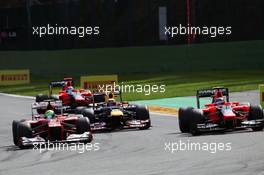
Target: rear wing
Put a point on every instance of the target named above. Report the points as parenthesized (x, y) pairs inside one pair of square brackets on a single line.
[(46, 104), (53, 84), (57, 84), (211, 93), (99, 97), (66, 82)]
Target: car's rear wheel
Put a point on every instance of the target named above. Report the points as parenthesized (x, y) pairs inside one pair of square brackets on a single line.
[(89, 113), (41, 97), (41, 111), (255, 113), (55, 97), (80, 109), (142, 113)]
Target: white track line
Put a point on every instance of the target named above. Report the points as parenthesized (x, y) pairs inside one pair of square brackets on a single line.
[(169, 115), (17, 96)]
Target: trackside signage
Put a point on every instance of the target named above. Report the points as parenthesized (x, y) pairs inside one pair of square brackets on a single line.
[(94, 82), (14, 77), (261, 94)]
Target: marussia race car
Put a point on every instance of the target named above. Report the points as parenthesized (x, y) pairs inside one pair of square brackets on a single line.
[(107, 114), (54, 127), (70, 97), (220, 115)]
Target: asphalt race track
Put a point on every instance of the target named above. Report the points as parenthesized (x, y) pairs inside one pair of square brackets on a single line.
[(134, 152)]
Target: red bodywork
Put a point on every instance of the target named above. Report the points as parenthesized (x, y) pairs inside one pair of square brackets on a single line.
[(78, 97), (226, 111), (58, 127), (220, 114), (212, 111), (54, 129)]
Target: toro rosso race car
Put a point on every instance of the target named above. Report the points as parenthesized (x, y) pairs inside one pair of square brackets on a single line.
[(52, 126), (107, 114), (69, 96), (220, 115)]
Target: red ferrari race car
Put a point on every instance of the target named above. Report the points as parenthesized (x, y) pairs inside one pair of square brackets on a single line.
[(106, 113), (69, 96), (220, 115), (52, 127)]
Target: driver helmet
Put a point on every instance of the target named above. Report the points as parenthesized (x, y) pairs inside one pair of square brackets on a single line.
[(111, 100), (49, 114), (219, 101), (69, 90)]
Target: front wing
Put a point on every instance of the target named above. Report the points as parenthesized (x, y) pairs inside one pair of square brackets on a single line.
[(73, 138), (127, 125), (215, 127)]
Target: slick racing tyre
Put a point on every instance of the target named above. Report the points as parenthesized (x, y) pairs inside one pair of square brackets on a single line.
[(89, 113), (24, 130), (80, 109), (197, 118), (15, 124), (83, 125), (142, 113), (41, 97), (185, 119), (55, 97), (255, 113)]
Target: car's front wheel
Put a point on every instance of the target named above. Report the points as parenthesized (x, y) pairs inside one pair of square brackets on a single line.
[(184, 115), (83, 125), (142, 113), (197, 118), (255, 113), (24, 130), (15, 124)]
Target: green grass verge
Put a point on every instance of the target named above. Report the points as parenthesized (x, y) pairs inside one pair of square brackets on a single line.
[(177, 84)]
